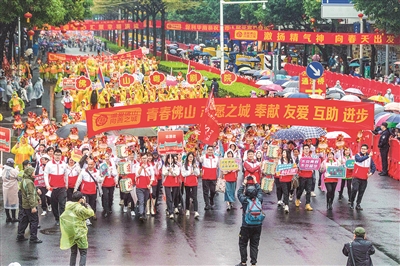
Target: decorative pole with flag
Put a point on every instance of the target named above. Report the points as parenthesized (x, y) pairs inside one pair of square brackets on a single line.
[(209, 129), (100, 78)]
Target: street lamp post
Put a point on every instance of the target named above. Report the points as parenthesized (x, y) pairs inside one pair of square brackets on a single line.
[(221, 26)]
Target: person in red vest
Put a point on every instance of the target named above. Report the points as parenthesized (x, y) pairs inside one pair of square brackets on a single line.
[(72, 173), (252, 167), (190, 172), (144, 179), (364, 167), (110, 180), (56, 182), (40, 184), (305, 181), (330, 183), (171, 184), (209, 182)]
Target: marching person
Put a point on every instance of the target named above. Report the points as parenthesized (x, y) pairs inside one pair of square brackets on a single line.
[(190, 172), (110, 180), (158, 163), (73, 227), (67, 101), (230, 185), (349, 172), (10, 190), (144, 179), (90, 178), (171, 185), (157, 168), (55, 180), (330, 183), (71, 174), (130, 198), (40, 183), (252, 167), (284, 184), (305, 181), (364, 167), (209, 180), (383, 146), (29, 212), (359, 250)]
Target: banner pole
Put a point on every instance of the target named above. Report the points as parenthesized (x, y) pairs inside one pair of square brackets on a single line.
[(313, 86)]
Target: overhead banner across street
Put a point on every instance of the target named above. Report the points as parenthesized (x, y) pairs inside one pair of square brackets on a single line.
[(307, 112), (53, 57)]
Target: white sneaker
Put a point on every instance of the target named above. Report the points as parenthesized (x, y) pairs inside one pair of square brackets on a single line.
[(171, 216), (88, 222), (313, 194), (44, 213), (133, 213), (286, 208), (290, 197), (125, 209), (196, 215), (187, 213), (176, 211), (49, 208), (280, 203)]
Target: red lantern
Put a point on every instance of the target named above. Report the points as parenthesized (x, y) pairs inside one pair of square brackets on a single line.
[(361, 15), (312, 20), (27, 15), (30, 34), (63, 31), (76, 24)]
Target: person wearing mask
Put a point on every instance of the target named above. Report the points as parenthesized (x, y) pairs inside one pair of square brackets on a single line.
[(330, 183), (110, 180), (29, 212), (73, 227), (171, 185), (190, 173), (55, 180), (284, 183), (252, 167), (383, 146), (364, 167), (41, 185), (144, 178), (10, 190), (230, 185), (305, 181), (359, 250), (209, 167), (88, 180)]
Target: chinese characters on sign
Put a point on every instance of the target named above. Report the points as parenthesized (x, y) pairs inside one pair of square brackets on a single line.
[(228, 164), (305, 84), (170, 142), (83, 83), (5, 139), (193, 77), (308, 164), (156, 78), (126, 80), (228, 78)]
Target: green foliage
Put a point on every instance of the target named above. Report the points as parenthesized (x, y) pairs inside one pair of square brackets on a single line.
[(386, 14), (114, 48)]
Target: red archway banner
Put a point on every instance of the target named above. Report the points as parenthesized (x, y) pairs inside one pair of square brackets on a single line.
[(307, 112), (53, 57)]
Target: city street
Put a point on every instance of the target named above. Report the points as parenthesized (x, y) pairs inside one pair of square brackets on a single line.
[(297, 238)]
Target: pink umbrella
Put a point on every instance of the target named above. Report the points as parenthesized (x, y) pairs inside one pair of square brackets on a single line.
[(382, 119), (271, 87), (350, 98), (171, 82)]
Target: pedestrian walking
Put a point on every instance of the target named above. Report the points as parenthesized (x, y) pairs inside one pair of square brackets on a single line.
[(40, 183), (30, 201), (209, 181), (305, 181), (364, 167), (110, 180), (190, 173), (283, 182), (171, 184), (215, 87), (383, 146), (329, 184), (359, 250), (67, 101), (144, 178), (73, 228), (250, 230), (349, 173), (230, 185), (10, 190)]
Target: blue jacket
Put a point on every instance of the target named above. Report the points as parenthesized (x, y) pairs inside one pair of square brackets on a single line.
[(360, 158), (243, 200)]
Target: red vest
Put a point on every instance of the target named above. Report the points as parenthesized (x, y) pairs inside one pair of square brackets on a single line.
[(191, 181), (56, 181), (88, 187), (109, 181)]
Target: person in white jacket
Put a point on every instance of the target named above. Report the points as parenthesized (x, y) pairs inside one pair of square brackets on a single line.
[(109, 174), (171, 171)]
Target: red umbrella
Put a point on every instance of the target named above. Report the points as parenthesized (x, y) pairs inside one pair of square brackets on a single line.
[(271, 87)]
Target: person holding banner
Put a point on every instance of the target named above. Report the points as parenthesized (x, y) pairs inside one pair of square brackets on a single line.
[(329, 183), (171, 184), (364, 167), (349, 172), (284, 181), (190, 173), (305, 181), (143, 181), (230, 185)]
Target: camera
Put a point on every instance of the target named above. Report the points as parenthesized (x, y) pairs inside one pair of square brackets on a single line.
[(249, 178)]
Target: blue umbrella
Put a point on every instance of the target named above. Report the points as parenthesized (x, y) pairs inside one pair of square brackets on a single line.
[(394, 118), (298, 95), (354, 64), (310, 132), (296, 78), (380, 114), (280, 81), (264, 77), (289, 134)]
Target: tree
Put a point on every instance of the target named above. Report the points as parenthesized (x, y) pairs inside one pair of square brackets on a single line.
[(385, 14)]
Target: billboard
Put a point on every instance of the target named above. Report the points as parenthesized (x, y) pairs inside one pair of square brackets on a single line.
[(338, 9)]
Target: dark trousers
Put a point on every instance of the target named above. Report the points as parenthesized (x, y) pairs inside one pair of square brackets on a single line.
[(305, 184), (358, 185), (58, 200), (209, 191), (70, 191), (253, 234), (107, 198), (91, 200), (27, 217), (330, 190), (285, 188), (74, 254), (39, 101), (143, 195), (384, 158), (158, 190), (344, 182), (45, 200), (67, 110), (191, 192), (127, 197), (278, 188), (172, 198)]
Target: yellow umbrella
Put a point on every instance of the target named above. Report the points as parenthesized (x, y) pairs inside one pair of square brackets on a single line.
[(379, 98)]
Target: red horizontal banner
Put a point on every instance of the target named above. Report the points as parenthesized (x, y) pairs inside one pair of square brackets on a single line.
[(313, 37), (52, 57), (307, 112)]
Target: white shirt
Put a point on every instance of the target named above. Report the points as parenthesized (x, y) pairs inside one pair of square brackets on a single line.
[(54, 168)]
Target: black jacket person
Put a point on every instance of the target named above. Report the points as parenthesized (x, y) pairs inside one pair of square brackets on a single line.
[(360, 251)]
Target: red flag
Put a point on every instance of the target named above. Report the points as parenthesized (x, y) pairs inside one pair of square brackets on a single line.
[(209, 126)]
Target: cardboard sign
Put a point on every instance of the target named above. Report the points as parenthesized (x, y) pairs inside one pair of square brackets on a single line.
[(309, 164), (286, 169), (269, 168), (170, 142), (336, 172), (272, 151), (228, 164), (5, 139), (68, 84), (350, 164)]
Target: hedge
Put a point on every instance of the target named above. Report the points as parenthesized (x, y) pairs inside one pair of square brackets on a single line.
[(112, 47)]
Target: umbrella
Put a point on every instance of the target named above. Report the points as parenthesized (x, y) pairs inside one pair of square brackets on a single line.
[(354, 91), (398, 125), (336, 96), (289, 134), (381, 119), (244, 69), (394, 118), (295, 78), (392, 107), (1, 89), (335, 134), (265, 72), (264, 77), (172, 51), (355, 64), (215, 58), (202, 45), (291, 89), (243, 59), (280, 81), (63, 132), (298, 95), (378, 109), (376, 116), (264, 82), (250, 72), (310, 132), (379, 98), (397, 63), (317, 96), (139, 132), (350, 98), (204, 54), (254, 59), (335, 90), (271, 87), (282, 72), (291, 83)]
